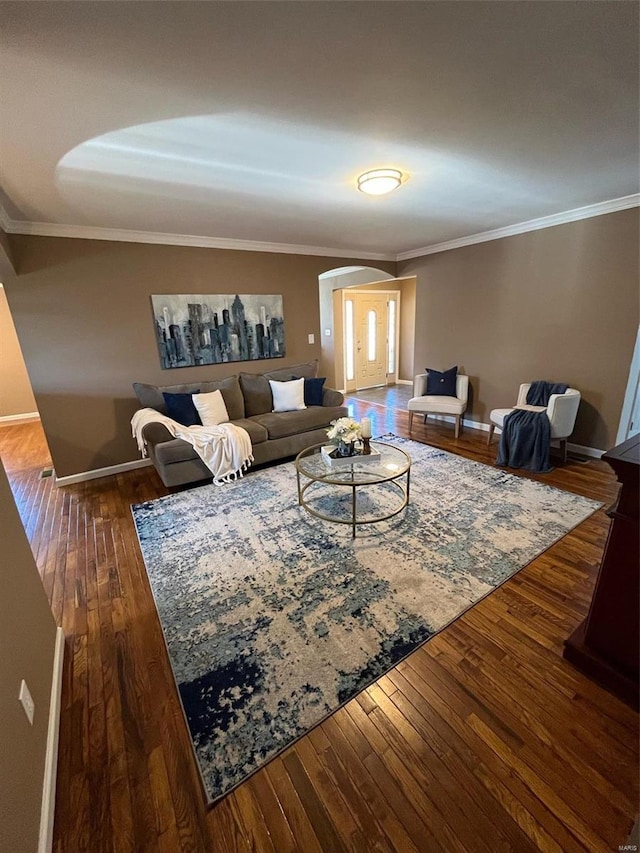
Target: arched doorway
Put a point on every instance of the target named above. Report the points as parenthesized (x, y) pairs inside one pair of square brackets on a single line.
[(367, 327)]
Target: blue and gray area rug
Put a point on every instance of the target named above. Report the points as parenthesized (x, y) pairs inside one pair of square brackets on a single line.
[(274, 618)]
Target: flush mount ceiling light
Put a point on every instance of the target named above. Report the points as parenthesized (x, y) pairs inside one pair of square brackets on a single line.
[(379, 181)]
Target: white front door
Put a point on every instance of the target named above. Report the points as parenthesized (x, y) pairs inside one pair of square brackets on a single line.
[(371, 322)]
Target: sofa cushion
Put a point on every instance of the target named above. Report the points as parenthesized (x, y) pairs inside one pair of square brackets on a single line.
[(307, 371), (283, 424), (150, 396), (314, 391), (257, 433), (176, 450), (181, 408), (287, 396), (256, 393), (211, 408)]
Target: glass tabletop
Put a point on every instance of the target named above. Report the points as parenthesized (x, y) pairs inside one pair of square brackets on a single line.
[(392, 462)]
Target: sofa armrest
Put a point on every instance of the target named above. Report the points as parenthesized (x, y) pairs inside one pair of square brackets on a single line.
[(155, 433), (331, 397)]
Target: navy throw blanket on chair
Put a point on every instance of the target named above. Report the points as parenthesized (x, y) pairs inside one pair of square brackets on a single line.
[(540, 392), (526, 436), (525, 441)]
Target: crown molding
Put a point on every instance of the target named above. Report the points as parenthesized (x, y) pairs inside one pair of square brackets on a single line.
[(611, 206), (122, 235), (5, 221)]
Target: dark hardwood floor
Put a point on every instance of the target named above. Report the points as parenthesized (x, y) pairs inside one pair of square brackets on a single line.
[(484, 739)]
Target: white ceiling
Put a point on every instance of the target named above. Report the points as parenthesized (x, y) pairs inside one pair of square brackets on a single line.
[(251, 121)]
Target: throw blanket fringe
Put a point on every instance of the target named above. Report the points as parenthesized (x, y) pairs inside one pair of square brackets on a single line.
[(225, 449)]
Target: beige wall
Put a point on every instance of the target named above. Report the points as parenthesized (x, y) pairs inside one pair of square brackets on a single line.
[(83, 314), (560, 304), (27, 640), (16, 396)]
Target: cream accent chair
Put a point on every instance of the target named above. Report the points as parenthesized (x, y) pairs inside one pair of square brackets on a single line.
[(561, 411), (434, 404)]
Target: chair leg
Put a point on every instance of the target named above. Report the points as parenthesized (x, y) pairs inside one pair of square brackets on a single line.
[(563, 450), (491, 429), (457, 430), (410, 421)]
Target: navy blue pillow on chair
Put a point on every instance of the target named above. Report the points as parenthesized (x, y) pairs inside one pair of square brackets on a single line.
[(181, 408), (313, 390), (442, 384)]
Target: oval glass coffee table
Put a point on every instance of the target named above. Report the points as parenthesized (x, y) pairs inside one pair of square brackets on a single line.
[(392, 466)]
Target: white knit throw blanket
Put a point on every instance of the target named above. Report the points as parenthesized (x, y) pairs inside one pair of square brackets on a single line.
[(225, 449)]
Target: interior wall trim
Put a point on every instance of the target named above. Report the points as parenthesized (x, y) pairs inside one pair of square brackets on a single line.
[(122, 235), (5, 220), (83, 476), (603, 207), (47, 811), (25, 416)]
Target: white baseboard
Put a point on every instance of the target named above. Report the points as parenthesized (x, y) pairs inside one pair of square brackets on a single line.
[(47, 811), (592, 452), (25, 416), (404, 381), (109, 471)]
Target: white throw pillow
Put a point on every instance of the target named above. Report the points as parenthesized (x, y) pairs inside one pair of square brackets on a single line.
[(288, 396), (211, 408)]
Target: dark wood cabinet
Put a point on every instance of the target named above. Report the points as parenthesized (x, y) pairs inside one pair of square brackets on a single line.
[(606, 645)]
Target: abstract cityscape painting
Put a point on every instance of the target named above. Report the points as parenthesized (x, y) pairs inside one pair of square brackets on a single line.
[(216, 328)]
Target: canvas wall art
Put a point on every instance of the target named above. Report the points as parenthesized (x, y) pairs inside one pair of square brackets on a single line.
[(216, 328)]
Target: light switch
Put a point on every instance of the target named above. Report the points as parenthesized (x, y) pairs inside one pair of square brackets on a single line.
[(312, 339), (327, 333)]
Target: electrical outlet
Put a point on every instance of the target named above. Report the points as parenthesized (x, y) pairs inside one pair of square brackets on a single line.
[(312, 339), (27, 701), (327, 333)]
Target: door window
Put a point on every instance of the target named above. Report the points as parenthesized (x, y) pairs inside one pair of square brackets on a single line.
[(348, 321), (371, 335)]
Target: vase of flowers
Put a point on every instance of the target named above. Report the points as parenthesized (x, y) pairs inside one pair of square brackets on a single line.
[(344, 432)]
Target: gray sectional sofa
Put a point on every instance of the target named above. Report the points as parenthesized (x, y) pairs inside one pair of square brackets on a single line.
[(247, 396)]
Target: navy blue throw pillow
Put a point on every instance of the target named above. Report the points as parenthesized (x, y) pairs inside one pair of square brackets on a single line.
[(180, 408), (442, 384), (313, 390)]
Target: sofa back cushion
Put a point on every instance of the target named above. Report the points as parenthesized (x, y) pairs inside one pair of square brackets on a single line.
[(150, 396), (308, 370), (211, 408), (257, 394), (257, 391), (181, 408)]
